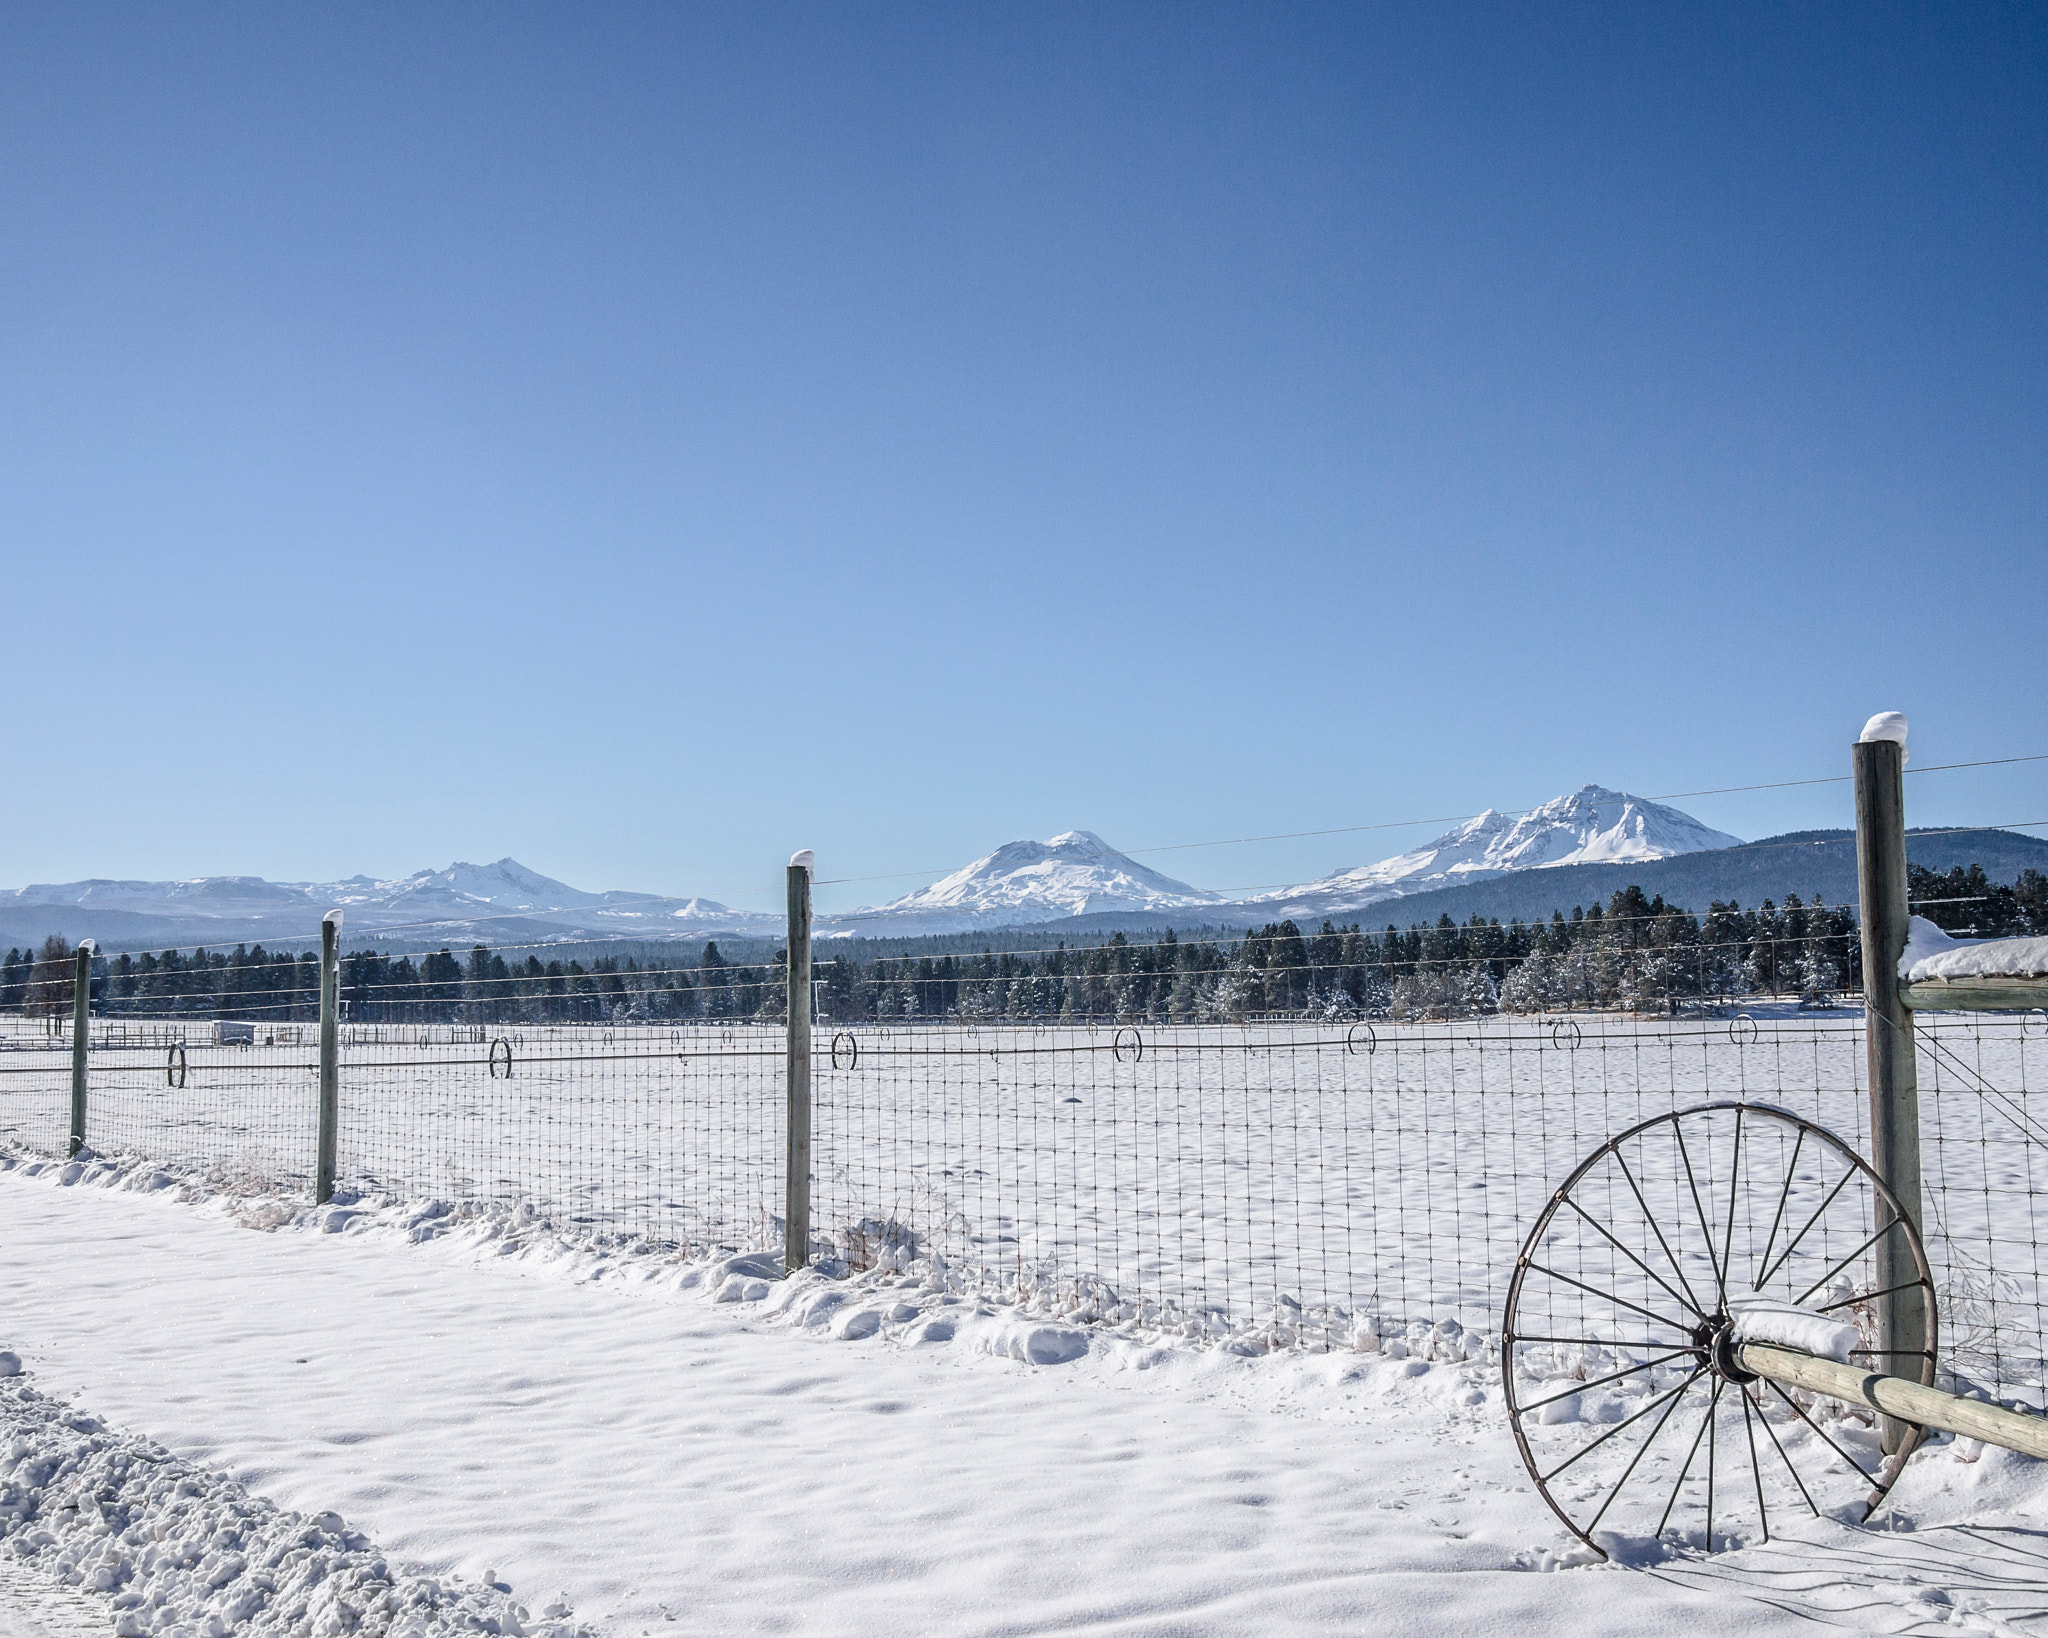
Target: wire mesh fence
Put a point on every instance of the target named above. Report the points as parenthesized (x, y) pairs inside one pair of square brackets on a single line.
[(1984, 1148), (1290, 1181), (1293, 1182), (671, 1134), (35, 1082)]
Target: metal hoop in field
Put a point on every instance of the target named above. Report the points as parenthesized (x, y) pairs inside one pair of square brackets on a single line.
[(174, 1066), (1127, 1045), (2034, 1022), (1742, 1030), (1565, 1033), (845, 1050), (1354, 1043), (1624, 1323), (491, 1065)]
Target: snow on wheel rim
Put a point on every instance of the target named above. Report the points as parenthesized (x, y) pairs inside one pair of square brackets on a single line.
[(1629, 1411), (1367, 1043), (1742, 1030)]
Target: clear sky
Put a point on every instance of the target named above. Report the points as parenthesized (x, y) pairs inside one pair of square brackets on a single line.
[(644, 440)]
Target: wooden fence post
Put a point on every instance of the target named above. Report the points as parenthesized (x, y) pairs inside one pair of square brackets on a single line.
[(330, 1056), (796, 1244), (1888, 1040), (81, 1028)]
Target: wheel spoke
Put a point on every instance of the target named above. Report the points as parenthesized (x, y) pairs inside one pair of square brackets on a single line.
[(1587, 1450), (1692, 1183), (1609, 1296), (1784, 1197), (1650, 1217), (1846, 1261), (1792, 1244), (1872, 1296), (1632, 1257), (1728, 1234), (1595, 1342), (1685, 1471), (1787, 1460), (1755, 1472), (1713, 1440), (1602, 1381), (1862, 1472)]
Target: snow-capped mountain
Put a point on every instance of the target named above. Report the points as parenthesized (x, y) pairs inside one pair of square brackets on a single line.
[(494, 902), (1077, 873), (1593, 825)]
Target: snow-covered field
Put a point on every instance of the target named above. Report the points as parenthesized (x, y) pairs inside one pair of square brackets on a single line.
[(459, 1418), (1297, 1182)]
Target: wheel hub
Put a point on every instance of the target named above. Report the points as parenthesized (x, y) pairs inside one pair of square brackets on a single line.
[(1714, 1342)]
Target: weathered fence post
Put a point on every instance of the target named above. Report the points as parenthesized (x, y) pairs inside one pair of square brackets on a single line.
[(81, 1027), (330, 1056), (796, 1247), (1880, 762)]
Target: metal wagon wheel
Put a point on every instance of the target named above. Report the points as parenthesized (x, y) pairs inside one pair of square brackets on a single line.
[(1624, 1380)]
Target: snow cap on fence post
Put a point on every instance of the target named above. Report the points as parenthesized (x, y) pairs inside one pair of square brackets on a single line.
[(1889, 725), (804, 859)]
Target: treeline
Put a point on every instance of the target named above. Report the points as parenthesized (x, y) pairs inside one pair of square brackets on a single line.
[(1635, 953), (253, 984)]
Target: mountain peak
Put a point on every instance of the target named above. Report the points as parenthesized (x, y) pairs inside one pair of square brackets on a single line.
[(1075, 873), (1592, 825)]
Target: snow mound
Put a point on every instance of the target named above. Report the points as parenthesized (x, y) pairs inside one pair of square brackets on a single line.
[(1889, 725), (1931, 953), (1765, 1319), (175, 1548)]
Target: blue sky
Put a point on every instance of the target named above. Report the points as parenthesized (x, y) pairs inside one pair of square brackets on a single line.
[(644, 440)]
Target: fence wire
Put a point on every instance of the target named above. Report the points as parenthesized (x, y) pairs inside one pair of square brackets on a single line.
[(1984, 1156), (669, 1134), (1292, 1181), (1297, 1183)]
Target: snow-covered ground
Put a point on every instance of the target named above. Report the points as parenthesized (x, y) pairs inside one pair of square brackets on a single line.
[(683, 1447), (615, 1438)]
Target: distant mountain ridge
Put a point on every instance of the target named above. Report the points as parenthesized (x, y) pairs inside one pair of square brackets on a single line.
[(1580, 849), (501, 903), (1075, 873)]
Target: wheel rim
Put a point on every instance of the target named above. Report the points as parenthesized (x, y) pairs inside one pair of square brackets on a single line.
[(1630, 1410)]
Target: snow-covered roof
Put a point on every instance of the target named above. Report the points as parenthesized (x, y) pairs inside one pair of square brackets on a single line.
[(1931, 953)]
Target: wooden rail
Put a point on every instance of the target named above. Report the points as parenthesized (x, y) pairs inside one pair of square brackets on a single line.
[(1975, 994), (1897, 1398)]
